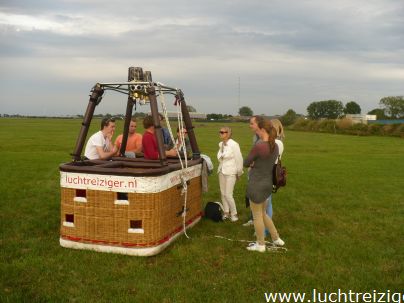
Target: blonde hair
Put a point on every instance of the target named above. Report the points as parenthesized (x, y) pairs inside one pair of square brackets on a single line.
[(279, 129)]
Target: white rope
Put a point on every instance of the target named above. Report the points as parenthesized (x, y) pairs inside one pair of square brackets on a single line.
[(184, 190), (183, 177), (271, 247), (164, 108)]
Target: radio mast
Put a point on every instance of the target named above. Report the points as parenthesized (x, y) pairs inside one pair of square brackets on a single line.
[(238, 108)]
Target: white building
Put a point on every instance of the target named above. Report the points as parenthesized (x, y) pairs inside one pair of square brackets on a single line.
[(358, 118), (193, 115)]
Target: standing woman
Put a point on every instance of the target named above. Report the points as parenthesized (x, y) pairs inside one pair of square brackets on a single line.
[(230, 169), (261, 159)]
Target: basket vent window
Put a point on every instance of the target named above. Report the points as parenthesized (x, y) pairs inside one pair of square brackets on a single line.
[(81, 193), (135, 224), (122, 196), (69, 218)]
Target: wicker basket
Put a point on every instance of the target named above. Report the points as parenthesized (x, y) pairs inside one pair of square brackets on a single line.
[(134, 223)]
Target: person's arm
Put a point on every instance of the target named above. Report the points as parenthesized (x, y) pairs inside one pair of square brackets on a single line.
[(138, 141), (239, 159), (252, 156), (118, 143), (105, 155), (220, 152), (280, 148), (171, 153)]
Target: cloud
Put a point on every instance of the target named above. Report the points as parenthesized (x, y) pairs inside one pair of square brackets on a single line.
[(285, 53)]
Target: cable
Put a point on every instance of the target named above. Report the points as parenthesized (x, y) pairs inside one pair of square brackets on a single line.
[(271, 247)]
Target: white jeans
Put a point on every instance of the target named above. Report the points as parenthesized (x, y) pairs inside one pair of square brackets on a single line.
[(226, 183)]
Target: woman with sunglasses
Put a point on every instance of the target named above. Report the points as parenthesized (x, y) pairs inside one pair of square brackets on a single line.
[(230, 169)]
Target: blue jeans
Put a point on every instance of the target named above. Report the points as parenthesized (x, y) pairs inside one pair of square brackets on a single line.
[(269, 206), (268, 211)]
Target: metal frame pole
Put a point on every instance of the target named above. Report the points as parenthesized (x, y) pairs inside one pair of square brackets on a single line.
[(95, 99), (188, 125), (157, 127)]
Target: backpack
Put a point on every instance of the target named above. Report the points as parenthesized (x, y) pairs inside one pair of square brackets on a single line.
[(279, 174), (213, 211)]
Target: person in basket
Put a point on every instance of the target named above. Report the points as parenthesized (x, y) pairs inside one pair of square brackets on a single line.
[(133, 143), (230, 169), (149, 141), (100, 145), (261, 160)]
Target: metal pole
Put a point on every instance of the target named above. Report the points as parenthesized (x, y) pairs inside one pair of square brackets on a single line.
[(128, 116), (188, 125), (95, 99), (157, 127)]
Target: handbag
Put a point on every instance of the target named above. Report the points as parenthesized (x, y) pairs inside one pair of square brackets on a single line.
[(279, 175)]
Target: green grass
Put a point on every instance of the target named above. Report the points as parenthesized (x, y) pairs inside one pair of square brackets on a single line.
[(341, 215)]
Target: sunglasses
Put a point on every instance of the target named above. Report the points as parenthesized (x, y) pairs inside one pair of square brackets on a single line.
[(222, 132)]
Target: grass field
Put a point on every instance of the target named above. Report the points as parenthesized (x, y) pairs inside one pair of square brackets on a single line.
[(341, 216)]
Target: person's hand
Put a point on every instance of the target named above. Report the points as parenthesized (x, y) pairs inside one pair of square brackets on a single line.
[(171, 152)]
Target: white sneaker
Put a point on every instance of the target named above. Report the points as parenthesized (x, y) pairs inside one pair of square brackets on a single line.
[(279, 242), (249, 223), (256, 247), (233, 218), (225, 217)]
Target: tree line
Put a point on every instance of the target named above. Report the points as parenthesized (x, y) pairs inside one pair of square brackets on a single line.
[(390, 108)]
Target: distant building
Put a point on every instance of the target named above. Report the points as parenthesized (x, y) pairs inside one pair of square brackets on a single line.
[(358, 118)]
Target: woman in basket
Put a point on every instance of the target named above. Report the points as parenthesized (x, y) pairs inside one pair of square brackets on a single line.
[(261, 160), (230, 169)]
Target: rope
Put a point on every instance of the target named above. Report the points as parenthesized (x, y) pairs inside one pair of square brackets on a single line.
[(164, 108), (271, 247), (184, 190)]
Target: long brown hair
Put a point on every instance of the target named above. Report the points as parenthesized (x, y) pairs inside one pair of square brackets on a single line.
[(271, 131)]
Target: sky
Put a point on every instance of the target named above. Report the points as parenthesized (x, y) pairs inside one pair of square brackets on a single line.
[(269, 55)]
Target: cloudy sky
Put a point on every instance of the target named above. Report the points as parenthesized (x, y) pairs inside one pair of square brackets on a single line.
[(270, 55)]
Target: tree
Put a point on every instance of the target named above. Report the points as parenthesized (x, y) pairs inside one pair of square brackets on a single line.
[(379, 112), (289, 118), (330, 109), (245, 111), (139, 115), (393, 106), (214, 116), (352, 108), (191, 108)]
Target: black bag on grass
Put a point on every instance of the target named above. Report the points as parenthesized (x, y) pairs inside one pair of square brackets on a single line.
[(214, 211)]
